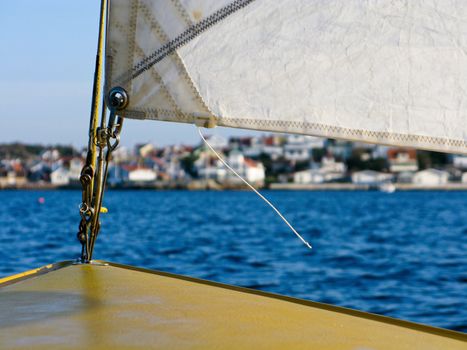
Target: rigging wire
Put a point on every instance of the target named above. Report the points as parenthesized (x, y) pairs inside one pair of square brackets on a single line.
[(254, 190)]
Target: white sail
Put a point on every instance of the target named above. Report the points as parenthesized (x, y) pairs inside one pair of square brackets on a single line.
[(382, 71)]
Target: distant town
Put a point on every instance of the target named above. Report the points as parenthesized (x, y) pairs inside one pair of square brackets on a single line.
[(274, 161)]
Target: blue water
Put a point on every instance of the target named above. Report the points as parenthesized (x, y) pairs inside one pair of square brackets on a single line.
[(402, 254)]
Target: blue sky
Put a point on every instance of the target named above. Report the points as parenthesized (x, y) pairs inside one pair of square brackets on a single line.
[(46, 70)]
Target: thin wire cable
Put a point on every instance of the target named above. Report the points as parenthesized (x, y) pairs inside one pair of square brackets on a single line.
[(254, 190)]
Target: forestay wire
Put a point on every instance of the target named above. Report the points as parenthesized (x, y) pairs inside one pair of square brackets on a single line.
[(254, 190)]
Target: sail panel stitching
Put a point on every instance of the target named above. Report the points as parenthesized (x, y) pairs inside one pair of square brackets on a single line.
[(309, 128), (157, 28), (189, 34), (158, 79), (328, 130), (154, 74), (182, 12), (132, 33)]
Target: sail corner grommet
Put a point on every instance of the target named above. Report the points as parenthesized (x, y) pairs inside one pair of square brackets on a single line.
[(205, 121), (117, 98)]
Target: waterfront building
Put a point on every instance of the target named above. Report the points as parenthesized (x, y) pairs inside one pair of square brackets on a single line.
[(402, 160), (141, 175), (298, 148), (339, 148), (210, 168), (121, 154), (50, 155), (117, 175), (250, 170), (370, 178), (405, 177), (431, 177), (207, 165), (460, 162), (175, 171), (329, 171), (60, 176), (146, 150), (39, 171), (12, 174), (76, 164), (243, 142), (309, 176), (270, 146), (212, 173)]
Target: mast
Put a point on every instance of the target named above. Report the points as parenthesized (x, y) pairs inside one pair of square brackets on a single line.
[(96, 90), (88, 172)]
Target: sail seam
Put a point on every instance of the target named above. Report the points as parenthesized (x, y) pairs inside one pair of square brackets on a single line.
[(280, 125), (316, 129), (158, 79), (191, 85), (154, 74), (176, 58), (327, 130), (181, 10), (155, 26), (132, 33), (189, 34)]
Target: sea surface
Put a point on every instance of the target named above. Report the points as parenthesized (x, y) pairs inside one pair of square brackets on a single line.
[(402, 254)]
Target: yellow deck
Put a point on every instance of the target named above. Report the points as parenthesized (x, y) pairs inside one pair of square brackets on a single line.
[(112, 307)]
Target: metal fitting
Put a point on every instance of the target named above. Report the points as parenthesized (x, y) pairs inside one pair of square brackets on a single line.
[(117, 98)]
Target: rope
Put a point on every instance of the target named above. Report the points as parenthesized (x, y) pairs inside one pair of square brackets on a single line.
[(254, 190)]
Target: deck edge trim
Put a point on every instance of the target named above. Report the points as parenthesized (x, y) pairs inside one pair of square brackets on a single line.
[(8, 280)]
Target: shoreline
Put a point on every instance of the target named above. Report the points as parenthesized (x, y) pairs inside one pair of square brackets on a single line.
[(354, 187), (219, 187)]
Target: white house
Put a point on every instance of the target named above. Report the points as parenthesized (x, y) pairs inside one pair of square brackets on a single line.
[(213, 173), (209, 167), (431, 177), (272, 145), (76, 164), (275, 152), (460, 162), (330, 170), (309, 176), (60, 176), (250, 170), (370, 177), (329, 165), (142, 175), (299, 147)]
